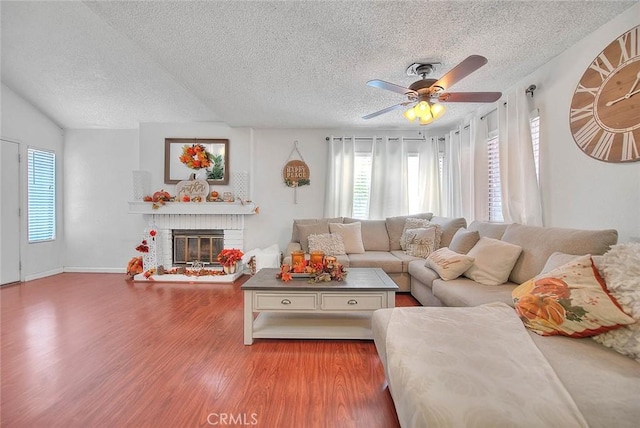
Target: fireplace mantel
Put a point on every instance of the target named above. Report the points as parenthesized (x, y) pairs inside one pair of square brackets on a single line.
[(216, 208)]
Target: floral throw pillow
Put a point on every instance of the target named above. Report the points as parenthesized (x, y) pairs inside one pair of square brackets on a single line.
[(571, 300)]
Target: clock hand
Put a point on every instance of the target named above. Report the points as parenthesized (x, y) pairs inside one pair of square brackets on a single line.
[(629, 95), (634, 84)]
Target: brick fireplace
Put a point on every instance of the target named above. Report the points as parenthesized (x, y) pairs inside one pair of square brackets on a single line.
[(226, 217)]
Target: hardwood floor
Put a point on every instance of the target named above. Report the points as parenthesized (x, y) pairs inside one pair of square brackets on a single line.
[(97, 350)]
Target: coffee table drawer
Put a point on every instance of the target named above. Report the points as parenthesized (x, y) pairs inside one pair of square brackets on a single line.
[(353, 302), (285, 301)]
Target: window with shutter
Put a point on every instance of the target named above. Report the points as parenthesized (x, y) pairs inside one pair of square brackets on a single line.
[(41, 195), (361, 185)]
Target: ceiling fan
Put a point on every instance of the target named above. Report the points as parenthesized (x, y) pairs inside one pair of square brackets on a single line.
[(424, 94)]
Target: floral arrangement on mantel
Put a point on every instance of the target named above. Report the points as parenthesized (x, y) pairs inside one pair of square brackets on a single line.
[(317, 272), (229, 257), (195, 156)]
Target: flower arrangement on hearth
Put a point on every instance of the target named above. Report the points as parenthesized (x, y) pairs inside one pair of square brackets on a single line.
[(230, 256), (316, 272), (195, 156)]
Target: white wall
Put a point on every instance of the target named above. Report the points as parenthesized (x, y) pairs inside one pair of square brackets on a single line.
[(23, 123), (100, 235), (578, 191)]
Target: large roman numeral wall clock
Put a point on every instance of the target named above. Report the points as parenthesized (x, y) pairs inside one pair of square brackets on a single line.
[(605, 109)]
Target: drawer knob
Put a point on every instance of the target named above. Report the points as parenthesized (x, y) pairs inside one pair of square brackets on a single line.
[(352, 302), (285, 301)]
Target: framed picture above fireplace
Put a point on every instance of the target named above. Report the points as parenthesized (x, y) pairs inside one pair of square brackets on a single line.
[(208, 158)]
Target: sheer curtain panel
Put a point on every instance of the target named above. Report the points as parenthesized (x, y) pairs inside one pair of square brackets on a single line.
[(339, 188), (520, 191)]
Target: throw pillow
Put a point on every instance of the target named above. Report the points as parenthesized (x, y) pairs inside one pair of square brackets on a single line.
[(493, 262), (571, 300), (448, 264), (304, 230), (421, 242), (464, 240), (331, 244), (621, 266), (411, 223), (351, 235)]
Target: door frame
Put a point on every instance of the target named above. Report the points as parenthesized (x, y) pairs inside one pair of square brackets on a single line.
[(21, 219)]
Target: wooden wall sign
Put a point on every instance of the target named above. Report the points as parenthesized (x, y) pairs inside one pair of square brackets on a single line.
[(296, 173)]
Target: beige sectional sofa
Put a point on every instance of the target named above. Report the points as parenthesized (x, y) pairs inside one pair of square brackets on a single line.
[(380, 239), (445, 363)]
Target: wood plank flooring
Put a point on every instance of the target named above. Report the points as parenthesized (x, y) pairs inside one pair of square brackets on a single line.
[(97, 350)]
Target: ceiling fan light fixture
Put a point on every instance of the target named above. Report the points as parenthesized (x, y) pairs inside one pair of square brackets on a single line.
[(425, 120), (437, 110), (410, 114)]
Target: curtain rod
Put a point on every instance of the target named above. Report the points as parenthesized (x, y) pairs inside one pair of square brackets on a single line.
[(380, 138)]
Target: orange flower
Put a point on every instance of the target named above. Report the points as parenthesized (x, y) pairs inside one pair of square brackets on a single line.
[(286, 276), (552, 287), (541, 307)]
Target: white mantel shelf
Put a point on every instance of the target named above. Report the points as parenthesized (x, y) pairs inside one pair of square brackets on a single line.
[(217, 208)]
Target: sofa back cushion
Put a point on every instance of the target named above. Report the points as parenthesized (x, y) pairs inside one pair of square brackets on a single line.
[(538, 243), (449, 228), (489, 230), (395, 227), (374, 234), (295, 233)]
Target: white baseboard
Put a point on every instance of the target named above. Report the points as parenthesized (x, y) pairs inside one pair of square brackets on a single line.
[(72, 269), (42, 274)]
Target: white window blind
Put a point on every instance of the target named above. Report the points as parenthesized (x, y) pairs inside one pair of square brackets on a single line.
[(495, 191), (535, 140), (361, 185), (41, 195)]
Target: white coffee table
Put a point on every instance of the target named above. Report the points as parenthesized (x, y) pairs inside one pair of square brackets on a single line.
[(325, 310)]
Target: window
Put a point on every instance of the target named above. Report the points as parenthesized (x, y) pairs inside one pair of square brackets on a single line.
[(41, 195), (495, 191), (361, 185)]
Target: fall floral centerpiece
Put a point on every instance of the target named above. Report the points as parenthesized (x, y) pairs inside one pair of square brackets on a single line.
[(316, 272), (228, 259), (195, 156)]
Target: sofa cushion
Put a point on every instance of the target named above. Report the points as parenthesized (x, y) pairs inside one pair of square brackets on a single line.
[(464, 240), (304, 230), (493, 262), (395, 227), (490, 230), (449, 228), (422, 273), (571, 300), (351, 234), (374, 234), (538, 243), (405, 258), (448, 264), (380, 259), (465, 292), (331, 244), (295, 236)]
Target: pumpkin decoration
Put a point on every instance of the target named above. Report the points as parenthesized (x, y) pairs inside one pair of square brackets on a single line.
[(538, 307), (134, 267), (160, 196)]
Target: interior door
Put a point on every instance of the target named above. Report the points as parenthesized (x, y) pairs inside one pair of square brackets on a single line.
[(10, 213)]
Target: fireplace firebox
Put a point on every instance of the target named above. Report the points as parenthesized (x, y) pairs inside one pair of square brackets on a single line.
[(197, 245)]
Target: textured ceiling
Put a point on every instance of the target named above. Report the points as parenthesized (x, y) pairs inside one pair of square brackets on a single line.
[(270, 64)]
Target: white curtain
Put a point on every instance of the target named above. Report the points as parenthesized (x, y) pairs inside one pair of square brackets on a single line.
[(429, 185), (452, 176), (389, 193), (520, 192), (478, 176), (339, 188)]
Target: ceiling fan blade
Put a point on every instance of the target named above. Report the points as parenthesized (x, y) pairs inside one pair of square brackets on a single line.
[(386, 110), (460, 71), (469, 97), (390, 87)]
